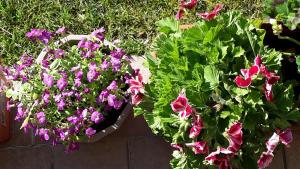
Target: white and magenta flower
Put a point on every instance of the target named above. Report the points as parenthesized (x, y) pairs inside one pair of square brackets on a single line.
[(199, 147), (220, 158), (136, 89), (181, 106), (196, 127), (183, 5), (285, 137), (246, 80), (235, 134), (211, 15), (265, 160)]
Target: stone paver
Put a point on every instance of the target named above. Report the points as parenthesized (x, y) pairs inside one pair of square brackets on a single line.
[(109, 153), (149, 153), (26, 158)]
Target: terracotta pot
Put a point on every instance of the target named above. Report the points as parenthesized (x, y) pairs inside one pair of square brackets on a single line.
[(4, 115)]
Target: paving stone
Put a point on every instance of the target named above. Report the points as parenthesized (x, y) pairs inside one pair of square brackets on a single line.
[(26, 158), (108, 153), (293, 153), (149, 153)]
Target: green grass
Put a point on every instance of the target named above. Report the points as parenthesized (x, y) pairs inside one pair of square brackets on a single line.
[(131, 21)]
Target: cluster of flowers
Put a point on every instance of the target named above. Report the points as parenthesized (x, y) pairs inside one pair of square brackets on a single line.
[(183, 6), (285, 137), (249, 74), (68, 101), (221, 156)]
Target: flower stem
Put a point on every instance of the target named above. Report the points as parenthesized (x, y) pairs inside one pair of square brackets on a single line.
[(290, 39)]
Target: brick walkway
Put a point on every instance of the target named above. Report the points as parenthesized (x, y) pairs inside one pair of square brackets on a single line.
[(133, 146)]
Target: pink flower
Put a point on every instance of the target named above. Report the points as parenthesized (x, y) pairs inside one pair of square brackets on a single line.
[(185, 5), (286, 137), (257, 61), (199, 147), (211, 15), (235, 134), (220, 158), (246, 80), (196, 127), (136, 89), (272, 78), (177, 146), (265, 160), (179, 13), (272, 143), (181, 106), (188, 5)]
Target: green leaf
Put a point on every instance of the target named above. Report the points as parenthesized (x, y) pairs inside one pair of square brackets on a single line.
[(168, 25), (224, 114), (211, 75), (298, 62)]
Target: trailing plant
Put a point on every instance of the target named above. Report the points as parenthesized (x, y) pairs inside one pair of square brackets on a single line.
[(64, 96), (216, 93)]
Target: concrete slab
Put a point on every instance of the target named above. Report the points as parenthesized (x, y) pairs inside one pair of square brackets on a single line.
[(108, 153), (26, 158), (149, 153)]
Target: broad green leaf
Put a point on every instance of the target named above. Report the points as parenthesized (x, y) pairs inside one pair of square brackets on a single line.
[(211, 75)]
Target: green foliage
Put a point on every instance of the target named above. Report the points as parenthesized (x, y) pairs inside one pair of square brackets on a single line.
[(204, 60)]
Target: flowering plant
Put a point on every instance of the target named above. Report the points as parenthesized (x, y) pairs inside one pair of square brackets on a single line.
[(216, 93), (72, 91)]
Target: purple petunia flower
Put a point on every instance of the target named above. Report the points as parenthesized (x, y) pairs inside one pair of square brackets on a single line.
[(73, 119), (90, 132), (61, 105), (48, 80), (79, 74), (44, 134), (78, 96), (39, 34), (116, 64), (46, 96), (92, 75), (84, 113), (62, 83), (75, 68), (45, 63), (86, 90), (58, 53), (21, 113), (117, 53), (99, 33), (96, 117), (114, 102), (41, 117), (68, 93), (113, 85), (103, 96), (61, 30), (105, 65), (77, 82)]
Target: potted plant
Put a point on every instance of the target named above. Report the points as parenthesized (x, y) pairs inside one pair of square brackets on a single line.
[(216, 93), (75, 89)]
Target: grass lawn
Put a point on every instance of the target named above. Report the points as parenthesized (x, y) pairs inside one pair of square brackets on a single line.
[(131, 21)]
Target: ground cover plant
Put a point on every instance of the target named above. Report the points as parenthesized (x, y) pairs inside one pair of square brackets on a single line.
[(216, 92)]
